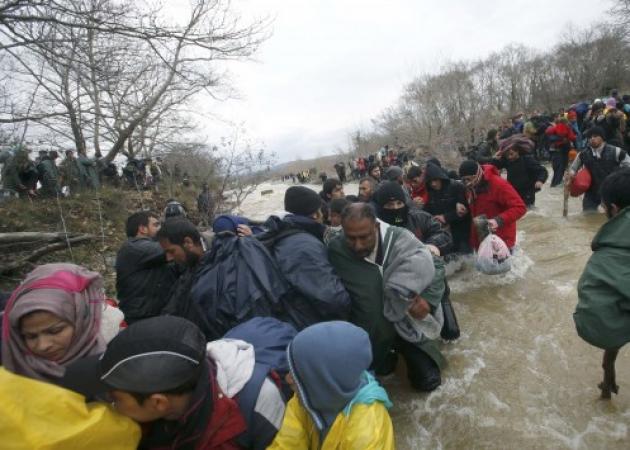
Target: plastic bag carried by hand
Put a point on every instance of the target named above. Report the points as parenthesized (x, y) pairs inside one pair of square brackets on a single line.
[(493, 256)]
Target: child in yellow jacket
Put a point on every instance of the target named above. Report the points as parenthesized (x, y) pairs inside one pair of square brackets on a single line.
[(338, 405)]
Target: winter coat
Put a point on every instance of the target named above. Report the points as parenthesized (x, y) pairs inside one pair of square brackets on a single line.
[(602, 315), (363, 279), (523, 173), (49, 177), (38, 415), (561, 134), (19, 173), (143, 278), (237, 279), (366, 427), (444, 201), (329, 365), (317, 293), (609, 160), (245, 361), (428, 230), (89, 172), (496, 199), (70, 174)]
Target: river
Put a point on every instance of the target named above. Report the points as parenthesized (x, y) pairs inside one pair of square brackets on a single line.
[(519, 377)]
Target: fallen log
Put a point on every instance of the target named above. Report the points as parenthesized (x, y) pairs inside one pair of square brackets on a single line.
[(36, 254), (33, 236)]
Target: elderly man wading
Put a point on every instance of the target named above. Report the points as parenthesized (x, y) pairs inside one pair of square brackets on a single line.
[(396, 289)]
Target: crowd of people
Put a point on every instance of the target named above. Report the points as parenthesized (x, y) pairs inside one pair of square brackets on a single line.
[(46, 176), (276, 334)]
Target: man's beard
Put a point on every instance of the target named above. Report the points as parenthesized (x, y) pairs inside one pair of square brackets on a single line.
[(192, 259)]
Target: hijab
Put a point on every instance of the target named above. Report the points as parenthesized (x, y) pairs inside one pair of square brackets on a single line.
[(68, 291)]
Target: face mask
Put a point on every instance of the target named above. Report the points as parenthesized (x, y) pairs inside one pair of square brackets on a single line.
[(396, 217)]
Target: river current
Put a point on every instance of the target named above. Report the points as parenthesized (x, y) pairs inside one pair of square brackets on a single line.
[(519, 377)]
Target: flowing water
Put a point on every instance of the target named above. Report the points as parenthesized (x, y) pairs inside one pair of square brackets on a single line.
[(519, 377)]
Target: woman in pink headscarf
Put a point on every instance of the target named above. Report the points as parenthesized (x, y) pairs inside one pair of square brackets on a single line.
[(52, 319)]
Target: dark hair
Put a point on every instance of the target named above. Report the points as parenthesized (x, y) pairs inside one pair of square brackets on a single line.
[(369, 180), (358, 211), (338, 204), (330, 184), (137, 219), (178, 228), (185, 388), (414, 172), (53, 154), (616, 189)]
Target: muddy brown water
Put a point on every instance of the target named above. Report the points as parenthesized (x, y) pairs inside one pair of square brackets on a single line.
[(519, 377)]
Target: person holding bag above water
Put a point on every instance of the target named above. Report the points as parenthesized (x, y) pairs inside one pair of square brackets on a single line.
[(490, 195)]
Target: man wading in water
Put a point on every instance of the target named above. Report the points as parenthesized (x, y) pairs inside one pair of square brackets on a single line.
[(602, 315)]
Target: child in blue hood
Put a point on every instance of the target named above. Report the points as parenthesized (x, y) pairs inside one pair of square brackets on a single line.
[(338, 405)]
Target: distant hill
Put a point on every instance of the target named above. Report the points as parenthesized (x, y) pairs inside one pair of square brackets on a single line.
[(323, 163)]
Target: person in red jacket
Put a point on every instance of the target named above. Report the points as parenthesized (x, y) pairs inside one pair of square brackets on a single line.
[(489, 194), (562, 138)]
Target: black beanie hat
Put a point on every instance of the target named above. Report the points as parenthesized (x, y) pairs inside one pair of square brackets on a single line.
[(390, 190), (595, 131), (301, 201), (468, 167)]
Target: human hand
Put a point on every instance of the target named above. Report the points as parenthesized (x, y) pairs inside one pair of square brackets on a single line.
[(418, 202), (433, 249), (493, 225), (243, 230), (419, 308), (461, 209), (440, 218), (538, 185)]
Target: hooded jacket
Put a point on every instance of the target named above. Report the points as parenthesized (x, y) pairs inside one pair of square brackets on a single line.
[(602, 315), (496, 199), (444, 201), (48, 176), (264, 394), (562, 135), (38, 415), (317, 293), (523, 173), (338, 404)]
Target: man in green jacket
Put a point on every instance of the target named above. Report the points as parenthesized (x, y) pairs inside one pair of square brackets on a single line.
[(71, 173), (602, 315), (49, 175), (363, 256)]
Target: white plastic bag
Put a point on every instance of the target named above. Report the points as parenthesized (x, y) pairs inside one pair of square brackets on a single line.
[(493, 256)]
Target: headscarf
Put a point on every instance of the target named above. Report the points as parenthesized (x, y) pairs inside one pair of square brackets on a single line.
[(72, 293), (518, 142)]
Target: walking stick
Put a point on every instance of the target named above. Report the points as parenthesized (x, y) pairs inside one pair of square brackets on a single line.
[(565, 204)]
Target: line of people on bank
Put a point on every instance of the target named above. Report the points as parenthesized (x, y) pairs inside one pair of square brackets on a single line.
[(75, 174)]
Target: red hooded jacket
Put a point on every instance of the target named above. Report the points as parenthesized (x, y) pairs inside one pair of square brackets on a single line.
[(562, 131), (496, 198)]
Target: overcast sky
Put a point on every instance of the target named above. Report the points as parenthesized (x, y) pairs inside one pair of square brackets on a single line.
[(332, 66)]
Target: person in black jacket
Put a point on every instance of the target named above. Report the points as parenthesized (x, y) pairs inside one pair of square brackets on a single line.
[(524, 172), (393, 209), (183, 244), (143, 276), (297, 244), (443, 196)]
